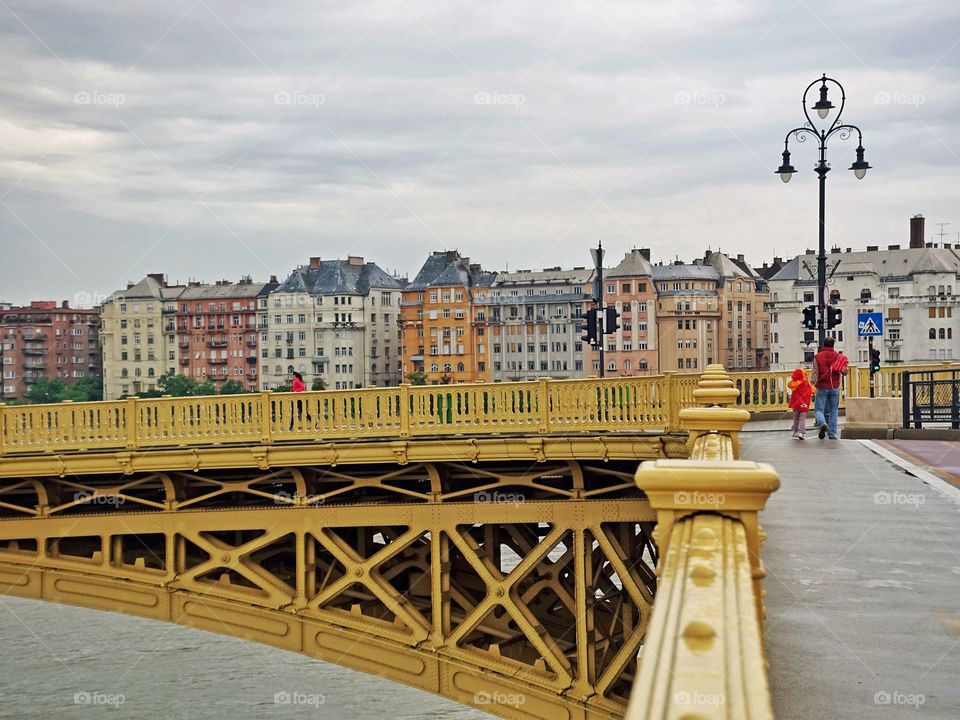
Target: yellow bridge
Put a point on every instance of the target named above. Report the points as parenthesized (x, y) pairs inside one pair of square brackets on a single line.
[(494, 544)]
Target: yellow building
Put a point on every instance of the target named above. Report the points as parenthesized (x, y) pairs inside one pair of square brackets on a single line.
[(688, 316), (745, 330)]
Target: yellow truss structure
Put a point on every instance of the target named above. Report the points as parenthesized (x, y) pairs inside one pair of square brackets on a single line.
[(515, 571)]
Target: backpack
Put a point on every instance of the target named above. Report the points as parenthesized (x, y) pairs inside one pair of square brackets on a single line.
[(840, 364)]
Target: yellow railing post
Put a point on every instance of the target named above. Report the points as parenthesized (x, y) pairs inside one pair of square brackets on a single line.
[(3, 426), (132, 422), (404, 409), (671, 397), (543, 404), (266, 417)]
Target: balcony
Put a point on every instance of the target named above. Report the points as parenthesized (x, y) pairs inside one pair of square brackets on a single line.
[(35, 366), (892, 321), (218, 361), (217, 343), (184, 343), (34, 351), (35, 337), (252, 359), (29, 379), (320, 359), (252, 376), (184, 361), (251, 343), (170, 327)]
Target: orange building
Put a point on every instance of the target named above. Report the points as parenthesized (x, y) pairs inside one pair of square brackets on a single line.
[(444, 336)]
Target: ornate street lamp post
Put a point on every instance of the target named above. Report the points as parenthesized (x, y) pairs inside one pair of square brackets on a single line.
[(823, 106)]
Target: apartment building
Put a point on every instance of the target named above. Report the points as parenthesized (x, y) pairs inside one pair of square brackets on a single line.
[(217, 333), (630, 288), (744, 337), (917, 288), (138, 328), (47, 340), (444, 320), (688, 316), (532, 321), (335, 320)]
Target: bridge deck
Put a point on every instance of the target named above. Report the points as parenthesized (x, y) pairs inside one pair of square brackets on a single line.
[(863, 567)]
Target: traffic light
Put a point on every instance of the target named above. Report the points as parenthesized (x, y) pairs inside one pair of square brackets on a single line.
[(610, 324), (810, 317), (874, 361), (834, 316), (591, 335)]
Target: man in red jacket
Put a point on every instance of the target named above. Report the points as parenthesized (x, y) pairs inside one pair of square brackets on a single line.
[(827, 399)]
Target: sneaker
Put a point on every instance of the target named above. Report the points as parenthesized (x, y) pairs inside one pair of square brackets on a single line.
[(823, 431), (800, 437)]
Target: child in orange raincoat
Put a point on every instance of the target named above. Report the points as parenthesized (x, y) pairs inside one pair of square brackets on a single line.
[(801, 397)]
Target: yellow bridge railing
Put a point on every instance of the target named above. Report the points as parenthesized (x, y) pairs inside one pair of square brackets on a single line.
[(703, 652), (543, 406)]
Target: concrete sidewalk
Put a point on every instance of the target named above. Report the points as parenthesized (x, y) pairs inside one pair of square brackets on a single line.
[(863, 584)]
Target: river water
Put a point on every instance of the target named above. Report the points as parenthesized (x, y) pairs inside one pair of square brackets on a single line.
[(58, 661)]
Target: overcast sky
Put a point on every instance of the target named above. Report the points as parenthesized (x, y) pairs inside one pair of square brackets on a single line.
[(210, 139)]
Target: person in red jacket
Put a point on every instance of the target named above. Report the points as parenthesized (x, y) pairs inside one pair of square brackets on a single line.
[(801, 392), (830, 367), (297, 385)]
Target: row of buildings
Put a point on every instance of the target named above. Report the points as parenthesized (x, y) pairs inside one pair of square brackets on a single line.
[(350, 324)]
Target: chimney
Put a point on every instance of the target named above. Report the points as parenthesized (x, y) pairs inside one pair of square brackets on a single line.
[(916, 231), (64, 304), (740, 257), (475, 267), (646, 253), (159, 277), (764, 267), (354, 260), (777, 261), (314, 262), (129, 284), (849, 250), (273, 278), (893, 247), (872, 248)]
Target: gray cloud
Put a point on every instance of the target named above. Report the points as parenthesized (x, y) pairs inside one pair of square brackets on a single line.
[(212, 139)]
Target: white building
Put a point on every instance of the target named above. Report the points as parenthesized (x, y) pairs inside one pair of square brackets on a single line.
[(535, 324), (917, 289), (336, 320)]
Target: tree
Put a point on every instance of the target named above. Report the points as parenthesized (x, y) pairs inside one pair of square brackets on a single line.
[(232, 387), (318, 384), (176, 385), (416, 378), (285, 387), (206, 388), (45, 390), (86, 389)]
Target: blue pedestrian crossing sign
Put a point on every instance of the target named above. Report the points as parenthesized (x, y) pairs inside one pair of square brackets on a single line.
[(869, 324)]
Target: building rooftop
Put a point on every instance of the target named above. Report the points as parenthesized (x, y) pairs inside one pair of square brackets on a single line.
[(447, 267), (352, 276), (882, 263), (635, 263), (685, 272)]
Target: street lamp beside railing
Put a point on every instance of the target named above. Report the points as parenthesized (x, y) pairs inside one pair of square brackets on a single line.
[(823, 106)]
